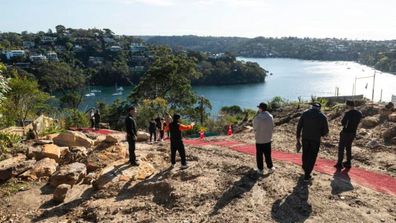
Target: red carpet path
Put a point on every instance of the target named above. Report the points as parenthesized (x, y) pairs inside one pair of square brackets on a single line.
[(376, 181)]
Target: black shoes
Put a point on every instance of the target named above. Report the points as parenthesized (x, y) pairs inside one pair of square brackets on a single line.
[(347, 165), (339, 166), (136, 163), (307, 178)]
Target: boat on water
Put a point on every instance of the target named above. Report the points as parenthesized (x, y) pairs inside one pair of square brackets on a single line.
[(120, 89), (90, 95), (96, 91), (117, 93)]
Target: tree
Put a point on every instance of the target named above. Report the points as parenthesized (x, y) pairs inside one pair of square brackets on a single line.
[(60, 29), (169, 77), (3, 83), (60, 77), (23, 100)]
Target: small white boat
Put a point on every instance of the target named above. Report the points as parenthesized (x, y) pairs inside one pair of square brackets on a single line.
[(90, 95), (96, 91), (120, 89), (117, 94)]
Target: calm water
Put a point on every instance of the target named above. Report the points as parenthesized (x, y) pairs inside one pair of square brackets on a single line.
[(291, 78)]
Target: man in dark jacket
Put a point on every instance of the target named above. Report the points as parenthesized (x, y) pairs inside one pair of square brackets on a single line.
[(175, 129), (313, 124), (131, 129), (350, 123)]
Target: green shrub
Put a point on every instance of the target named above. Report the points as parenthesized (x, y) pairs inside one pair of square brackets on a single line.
[(8, 141), (75, 118)]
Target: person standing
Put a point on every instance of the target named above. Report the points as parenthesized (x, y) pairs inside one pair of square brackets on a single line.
[(97, 118), (175, 129), (162, 129), (131, 129), (152, 130), (313, 125), (263, 125), (92, 118), (350, 123)]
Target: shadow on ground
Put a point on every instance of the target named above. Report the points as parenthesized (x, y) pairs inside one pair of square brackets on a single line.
[(341, 182), (293, 207)]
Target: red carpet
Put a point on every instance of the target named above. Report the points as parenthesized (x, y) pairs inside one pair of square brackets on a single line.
[(376, 181)]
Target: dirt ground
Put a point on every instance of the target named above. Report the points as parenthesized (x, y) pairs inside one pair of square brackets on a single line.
[(220, 185)]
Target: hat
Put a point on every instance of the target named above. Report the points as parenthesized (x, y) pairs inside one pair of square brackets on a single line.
[(316, 105), (176, 117), (263, 106), (350, 103)]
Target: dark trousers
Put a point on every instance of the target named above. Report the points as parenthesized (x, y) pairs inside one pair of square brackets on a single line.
[(132, 147), (153, 133), (178, 146), (162, 134), (346, 140), (92, 123), (263, 149), (309, 155)]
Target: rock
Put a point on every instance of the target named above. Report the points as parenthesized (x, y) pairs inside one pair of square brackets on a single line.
[(90, 178), (115, 138), (370, 122), (102, 156), (19, 131), (99, 139), (392, 117), (373, 144), (42, 123), (145, 171), (69, 174), (51, 151), (61, 192), (393, 140), (142, 136), (52, 136), (42, 168), (34, 152), (40, 142), (389, 133), (22, 167), (73, 138), (76, 154), (6, 166), (64, 151), (103, 125), (384, 113)]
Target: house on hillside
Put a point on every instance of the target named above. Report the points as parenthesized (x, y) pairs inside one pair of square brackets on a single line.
[(137, 48), (52, 56), (95, 61), (28, 44), (115, 48), (14, 53), (48, 39), (38, 58), (60, 48)]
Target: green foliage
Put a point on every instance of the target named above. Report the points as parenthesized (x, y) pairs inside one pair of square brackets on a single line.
[(24, 100), (276, 103), (3, 83), (169, 77), (150, 109), (71, 99), (231, 110), (75, 118), (8, 141)]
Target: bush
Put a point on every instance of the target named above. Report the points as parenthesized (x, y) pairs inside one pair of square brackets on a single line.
[(8, 141), (276, 103), (75, 118)]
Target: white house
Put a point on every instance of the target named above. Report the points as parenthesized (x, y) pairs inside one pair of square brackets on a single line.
[(38, 58), (115, 48), (15, 53)]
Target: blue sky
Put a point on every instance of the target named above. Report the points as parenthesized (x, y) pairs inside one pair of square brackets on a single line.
[(352, 19)]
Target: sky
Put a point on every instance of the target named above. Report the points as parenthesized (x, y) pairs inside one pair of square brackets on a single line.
[(352, 19)]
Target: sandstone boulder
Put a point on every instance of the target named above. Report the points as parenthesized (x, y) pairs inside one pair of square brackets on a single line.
[(115, 138), (392, 117), (145, 171), (370, 122), (51, 151), (73, 138), (142, 136), (61, 192), (389, 133), (42, 168), (42, 123), (7, 166), (69, 174), (374, 144), (76, 154), (104, 155)]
